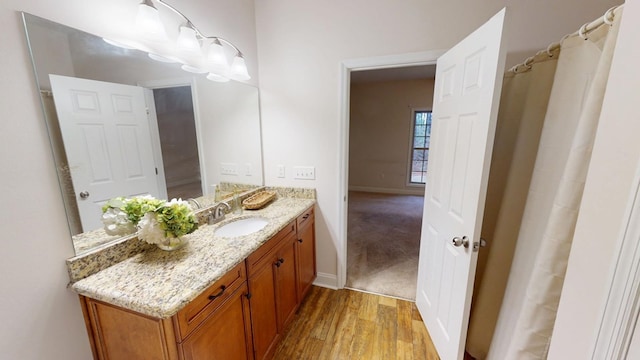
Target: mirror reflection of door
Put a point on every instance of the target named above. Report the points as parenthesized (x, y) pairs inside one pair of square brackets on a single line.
[(107, 142), (177, 131)]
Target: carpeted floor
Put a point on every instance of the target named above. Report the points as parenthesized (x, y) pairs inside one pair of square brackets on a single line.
[(383, 243)]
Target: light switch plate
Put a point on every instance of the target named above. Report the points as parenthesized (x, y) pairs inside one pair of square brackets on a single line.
[(228, 169), (280, 171), (248, 169), (304, 172)]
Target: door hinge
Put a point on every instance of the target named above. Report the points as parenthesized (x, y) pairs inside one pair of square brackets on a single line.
[(156, 171), (147, 110)]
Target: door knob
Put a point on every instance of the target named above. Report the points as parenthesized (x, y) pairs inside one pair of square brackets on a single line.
[(84, 195), (460, 241), (478, 244)]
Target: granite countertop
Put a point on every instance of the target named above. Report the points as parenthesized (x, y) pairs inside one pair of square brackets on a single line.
[(160, 283)]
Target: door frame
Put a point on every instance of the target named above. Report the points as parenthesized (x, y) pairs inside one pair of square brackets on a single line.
[(177, 82), (429, 57), (618, 320)]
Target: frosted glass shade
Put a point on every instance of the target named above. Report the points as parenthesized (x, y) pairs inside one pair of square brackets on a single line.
[(148, 22), (239, 68), (187, 40), (216, 58)]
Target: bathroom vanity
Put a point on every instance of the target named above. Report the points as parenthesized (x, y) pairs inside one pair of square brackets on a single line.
[(217, 298)]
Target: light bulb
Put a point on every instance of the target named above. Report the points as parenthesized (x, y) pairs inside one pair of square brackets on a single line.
[(239, 68)]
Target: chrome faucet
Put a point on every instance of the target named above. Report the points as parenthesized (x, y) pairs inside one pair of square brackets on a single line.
[(218, 212), (192, 200)]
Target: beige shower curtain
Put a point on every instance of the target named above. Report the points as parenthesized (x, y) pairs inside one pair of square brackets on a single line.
[(525, 95), (531, 209)]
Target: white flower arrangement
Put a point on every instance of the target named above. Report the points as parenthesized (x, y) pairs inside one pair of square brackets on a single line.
[(116, 222), (149, 229), (167, 223), (157, 221), (115, 219)]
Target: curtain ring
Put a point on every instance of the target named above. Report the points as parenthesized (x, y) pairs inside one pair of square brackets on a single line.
[(528, 62), (583, 31), (609, 16), (550, 48)]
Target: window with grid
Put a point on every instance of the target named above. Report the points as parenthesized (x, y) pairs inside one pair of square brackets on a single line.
[(420, 148)]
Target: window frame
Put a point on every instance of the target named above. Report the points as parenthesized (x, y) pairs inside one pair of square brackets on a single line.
[(412, 127)]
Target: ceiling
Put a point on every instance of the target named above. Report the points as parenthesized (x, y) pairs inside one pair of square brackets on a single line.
[(396, 73)]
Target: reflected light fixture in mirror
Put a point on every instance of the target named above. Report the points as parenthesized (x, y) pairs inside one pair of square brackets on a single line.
[(195, 52)]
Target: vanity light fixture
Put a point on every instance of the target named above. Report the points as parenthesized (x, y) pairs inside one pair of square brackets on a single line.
[(148, 22), (195, 52)]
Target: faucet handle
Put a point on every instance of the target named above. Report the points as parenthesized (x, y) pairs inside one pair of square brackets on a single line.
[(218, 212)]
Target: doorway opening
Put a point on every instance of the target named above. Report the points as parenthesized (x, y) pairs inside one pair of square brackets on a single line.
[(178, 141), (387, 154)]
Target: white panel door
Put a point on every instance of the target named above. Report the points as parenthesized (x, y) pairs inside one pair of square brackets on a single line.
[(467, 90), (106, 137)]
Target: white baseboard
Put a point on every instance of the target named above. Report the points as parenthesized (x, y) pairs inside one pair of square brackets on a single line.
[(326, 280), (417, 191)]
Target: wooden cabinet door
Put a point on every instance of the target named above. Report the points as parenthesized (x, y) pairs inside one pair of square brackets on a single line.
[(287, 290), (306, 258), (262, 287), (117, 333), (225, 335)]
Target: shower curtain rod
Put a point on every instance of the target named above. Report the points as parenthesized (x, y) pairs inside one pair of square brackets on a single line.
[(583, 32)]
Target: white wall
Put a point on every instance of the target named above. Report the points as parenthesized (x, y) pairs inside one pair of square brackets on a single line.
[(41, 318), (380, 125), (301, 46), (230, 125)]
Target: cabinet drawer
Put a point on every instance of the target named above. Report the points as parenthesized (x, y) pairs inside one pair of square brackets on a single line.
[(263, 253), (201, 307), (225, 335), (305, 219)]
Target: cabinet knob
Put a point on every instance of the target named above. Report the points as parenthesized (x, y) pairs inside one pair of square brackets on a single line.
[(300, 241), (281, 260)]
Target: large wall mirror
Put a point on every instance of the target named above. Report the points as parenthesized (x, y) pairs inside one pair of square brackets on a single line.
[(122, 124)]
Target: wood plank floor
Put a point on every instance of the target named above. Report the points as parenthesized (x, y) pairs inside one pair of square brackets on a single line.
[(347, 324)]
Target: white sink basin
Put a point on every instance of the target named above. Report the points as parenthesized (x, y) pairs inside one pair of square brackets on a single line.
[(242, 227)]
